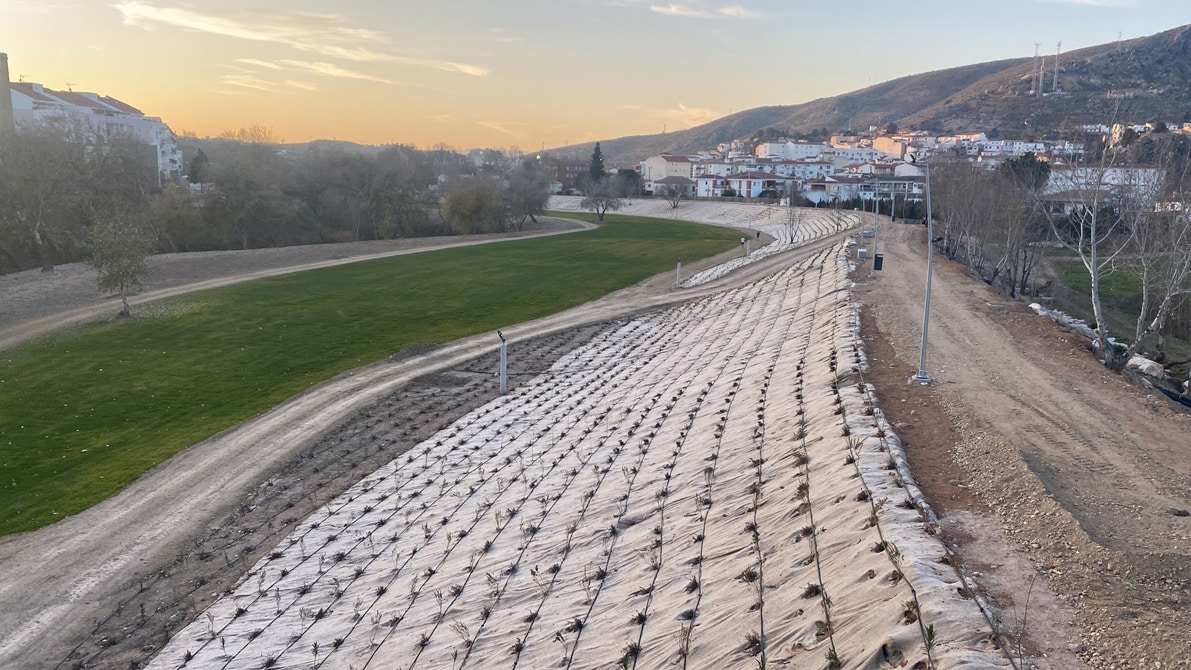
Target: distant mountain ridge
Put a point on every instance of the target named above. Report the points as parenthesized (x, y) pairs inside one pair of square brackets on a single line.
[(1143, 79)]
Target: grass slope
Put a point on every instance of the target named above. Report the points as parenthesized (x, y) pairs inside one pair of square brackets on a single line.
[(89, 410)]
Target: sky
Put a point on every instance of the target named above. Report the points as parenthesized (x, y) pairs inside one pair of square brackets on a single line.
[(530, 74)]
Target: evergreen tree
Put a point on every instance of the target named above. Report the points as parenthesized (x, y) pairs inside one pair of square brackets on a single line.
[(597, 164)]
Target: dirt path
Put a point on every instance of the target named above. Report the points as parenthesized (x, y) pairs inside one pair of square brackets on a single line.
[(78, 587), (1083, 473)]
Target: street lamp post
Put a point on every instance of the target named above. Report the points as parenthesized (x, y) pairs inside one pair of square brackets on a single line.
[(921, 377), (876, 229)]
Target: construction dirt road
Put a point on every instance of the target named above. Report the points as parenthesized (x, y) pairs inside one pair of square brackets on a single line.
[(1066, 486)]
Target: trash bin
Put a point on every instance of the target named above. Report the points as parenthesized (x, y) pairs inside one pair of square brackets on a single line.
[(878, 261)]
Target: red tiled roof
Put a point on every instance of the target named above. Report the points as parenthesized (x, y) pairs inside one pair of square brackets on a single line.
[(79, 100), (766, 176), (120, 106), (27, 90)]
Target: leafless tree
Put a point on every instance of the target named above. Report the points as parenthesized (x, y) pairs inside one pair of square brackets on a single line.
[(602, 196), (672, 193), (1088, 225), (119, 173), (40, 199), (1156, 212)]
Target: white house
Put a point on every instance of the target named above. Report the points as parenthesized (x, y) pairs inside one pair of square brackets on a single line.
[(657, 168), (831, 189), (1093, 178), (790, 150), (100, 116), (744, 185)]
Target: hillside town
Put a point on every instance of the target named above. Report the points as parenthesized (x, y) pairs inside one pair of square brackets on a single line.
[(881, 164)]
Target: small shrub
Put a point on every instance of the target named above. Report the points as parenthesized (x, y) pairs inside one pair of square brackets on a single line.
[(752, 644)]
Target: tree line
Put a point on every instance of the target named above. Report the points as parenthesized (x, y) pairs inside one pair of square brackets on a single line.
[(61, 191), (1004, 224)]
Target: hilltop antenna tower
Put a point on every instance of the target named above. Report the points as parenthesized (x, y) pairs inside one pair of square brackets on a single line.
[(1058, 51), (1034, 70)]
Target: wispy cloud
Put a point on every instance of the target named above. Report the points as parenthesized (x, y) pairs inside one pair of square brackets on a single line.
[(332, 70), (255, 65), (700, 11), (679, 9), (302, 85), (739, 12), (260, 63), (322, 34), (500, 127), (444, 65), (248, 81)]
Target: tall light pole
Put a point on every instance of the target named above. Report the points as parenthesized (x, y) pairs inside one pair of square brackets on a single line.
[(921, 377), (876, 226)]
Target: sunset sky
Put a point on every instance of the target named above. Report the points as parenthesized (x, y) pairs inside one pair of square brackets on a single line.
[(525, 73)]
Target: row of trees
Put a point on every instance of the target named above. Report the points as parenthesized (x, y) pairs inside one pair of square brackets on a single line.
[(59, 189), (1002, 224)]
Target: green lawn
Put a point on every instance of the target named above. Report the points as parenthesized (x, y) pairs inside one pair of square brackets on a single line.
[(88, 410), (1120, 287)]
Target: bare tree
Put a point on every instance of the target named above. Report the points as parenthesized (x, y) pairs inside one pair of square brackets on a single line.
[(1157, 213), (119, 173), (796, 218), (602, 196), (40, 198), (672, 193), (473, 205), (120, 244), (527, 192), (1088, 225)]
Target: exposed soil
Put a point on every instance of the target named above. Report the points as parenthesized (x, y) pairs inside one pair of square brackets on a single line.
[(1080, 471)]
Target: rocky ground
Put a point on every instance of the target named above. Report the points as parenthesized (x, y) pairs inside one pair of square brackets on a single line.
[(1065, 487)]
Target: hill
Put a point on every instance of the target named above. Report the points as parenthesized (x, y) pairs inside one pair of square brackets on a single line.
[(1135, 80)]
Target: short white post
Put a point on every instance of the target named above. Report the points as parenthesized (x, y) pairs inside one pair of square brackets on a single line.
[(504, 363), (678, 274)]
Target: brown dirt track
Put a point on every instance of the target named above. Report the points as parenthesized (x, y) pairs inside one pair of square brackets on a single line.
[(1027, 438)]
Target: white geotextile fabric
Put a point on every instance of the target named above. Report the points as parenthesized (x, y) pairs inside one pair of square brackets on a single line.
[(714, 461)]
